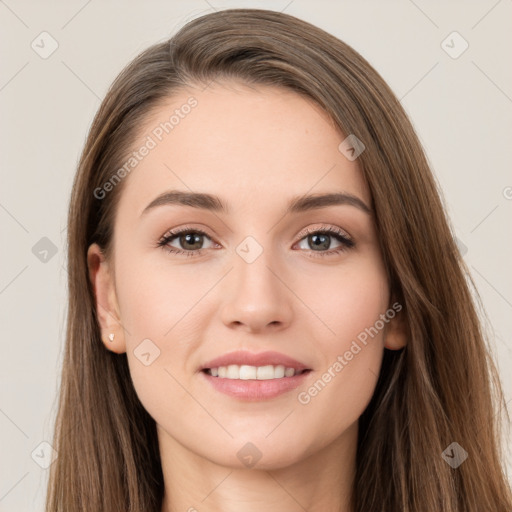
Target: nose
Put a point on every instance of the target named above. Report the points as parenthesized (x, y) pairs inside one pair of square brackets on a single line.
[(257, 296)]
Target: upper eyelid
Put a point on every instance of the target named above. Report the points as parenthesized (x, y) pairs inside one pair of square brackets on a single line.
[(173, 233), (325, 227)]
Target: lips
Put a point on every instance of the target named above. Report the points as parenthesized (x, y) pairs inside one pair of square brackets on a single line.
[(244, 357)]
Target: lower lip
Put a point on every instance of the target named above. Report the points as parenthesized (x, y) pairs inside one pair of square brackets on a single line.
[(255, 389)]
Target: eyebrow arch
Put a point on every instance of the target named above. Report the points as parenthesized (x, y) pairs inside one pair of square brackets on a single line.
[(297, 204)]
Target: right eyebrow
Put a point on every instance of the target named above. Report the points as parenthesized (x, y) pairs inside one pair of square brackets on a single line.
[(194, 199)]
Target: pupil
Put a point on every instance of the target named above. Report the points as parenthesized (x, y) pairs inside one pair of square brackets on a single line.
[(320, 241), (191, 238)]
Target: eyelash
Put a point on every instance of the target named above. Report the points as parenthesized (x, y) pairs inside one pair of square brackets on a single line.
[(339, 235)]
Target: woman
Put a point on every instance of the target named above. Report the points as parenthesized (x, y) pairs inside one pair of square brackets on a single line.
[(267, 308)]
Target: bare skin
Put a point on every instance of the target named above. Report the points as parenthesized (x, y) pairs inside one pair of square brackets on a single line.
[(255, 149)]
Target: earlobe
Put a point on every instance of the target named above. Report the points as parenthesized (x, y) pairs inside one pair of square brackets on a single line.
[(101, 276), (395, 337)]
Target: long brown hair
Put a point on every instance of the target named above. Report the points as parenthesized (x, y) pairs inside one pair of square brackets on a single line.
[(441, 388)]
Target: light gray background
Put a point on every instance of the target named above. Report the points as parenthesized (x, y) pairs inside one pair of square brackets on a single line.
[(461, 108)]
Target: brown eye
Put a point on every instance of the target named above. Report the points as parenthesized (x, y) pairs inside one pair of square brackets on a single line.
[(321, 241), (185, 241), (192, 241)]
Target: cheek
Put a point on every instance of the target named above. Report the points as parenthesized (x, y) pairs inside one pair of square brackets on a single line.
[(154, 299), (161, 312), (350, 339), (345, 301)]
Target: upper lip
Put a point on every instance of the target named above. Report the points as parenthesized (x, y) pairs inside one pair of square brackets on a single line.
[(244, 357)]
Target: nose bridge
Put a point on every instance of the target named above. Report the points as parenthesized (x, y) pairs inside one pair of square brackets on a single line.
[(253, 266), (257, 297)]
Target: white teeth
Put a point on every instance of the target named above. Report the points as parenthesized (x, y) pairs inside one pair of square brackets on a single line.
[(289, 372), (246, 372), (279, 372), (265, 372), (233, 372)]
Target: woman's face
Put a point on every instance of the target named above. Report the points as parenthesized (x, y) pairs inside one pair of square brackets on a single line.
[(305, 282)]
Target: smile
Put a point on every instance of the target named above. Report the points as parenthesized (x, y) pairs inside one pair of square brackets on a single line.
[(246, 372)]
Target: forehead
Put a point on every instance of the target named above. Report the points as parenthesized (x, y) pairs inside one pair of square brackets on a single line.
[(258, 145)]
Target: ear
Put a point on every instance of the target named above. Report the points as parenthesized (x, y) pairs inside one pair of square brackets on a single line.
[(396, 333), (102, 279)]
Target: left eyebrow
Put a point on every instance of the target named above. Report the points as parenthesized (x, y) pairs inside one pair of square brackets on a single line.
[(316, 201), (297, 204)]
